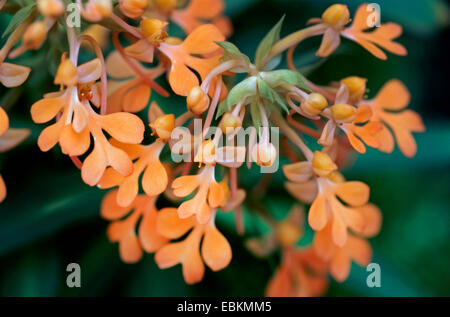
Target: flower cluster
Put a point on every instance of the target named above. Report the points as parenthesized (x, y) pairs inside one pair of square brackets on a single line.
[(96, 119)]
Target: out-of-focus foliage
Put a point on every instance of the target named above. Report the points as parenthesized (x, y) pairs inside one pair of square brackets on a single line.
[(51, 219)]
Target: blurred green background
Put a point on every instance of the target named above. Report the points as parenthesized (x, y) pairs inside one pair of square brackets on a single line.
[(50, 218)]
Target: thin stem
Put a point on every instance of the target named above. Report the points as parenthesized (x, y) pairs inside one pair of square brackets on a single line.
[(291, 134), (216, 71), (303, 128), (14, 38), (126, 26), (213, 106), (238, 211)]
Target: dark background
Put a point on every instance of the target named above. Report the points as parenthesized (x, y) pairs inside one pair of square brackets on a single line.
[(50, 218)]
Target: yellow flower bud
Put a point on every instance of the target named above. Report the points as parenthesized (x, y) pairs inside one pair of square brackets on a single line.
[(133, 8), (197, 101), (35, 35), (287, 234), (264, 154), (314, 104), (343, 113), (104, 7), (67, 74), (163, 126), (166, 6), (206, 153), (356, 86), (50, 8), (336, 16), (322, 164), (153, 29), (230, 122)]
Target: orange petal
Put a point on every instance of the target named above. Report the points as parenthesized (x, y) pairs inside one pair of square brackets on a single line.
[(73, 143), (154, 180), (181, 79), (2, 189), (206, 9), (185, 185), (340, 266), (136, 99), (280, 284), (80, 117), (354, 193), (363, 114), (46, 109), (142, 50), (202, 39), (323, 243), (317, 217), (90, 72), (372, 48), (193, 268), (216, 250), (298, 172), (170, 254), (12, 75), (359, 250), (110, 178), (339, 231), (405, 141), (330, 42), (128, 191), (393, 96), (150, 239), (216, 195), (119, 160), (94, 165), (110, 210), (355, 142), (50, 136), (130, 249), (124, 127), (360, 18), (305, 192), (117, 67), (12, 138), (204, 213), (4, 121), (373, 219), (170, 225), (386, 140)]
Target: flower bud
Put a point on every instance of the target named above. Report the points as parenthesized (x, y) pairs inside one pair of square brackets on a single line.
[(67, 74), (50, 8), (35, 35), (163, 126), (166, 6), (153, 30), (322, 164), (133, 8), (206, 153), (356, 86), (287, 234), (197, 101), (343, 113), (264, 154), (336, 177), (314, 104), (97, 10), (230, 122), (336, 16)]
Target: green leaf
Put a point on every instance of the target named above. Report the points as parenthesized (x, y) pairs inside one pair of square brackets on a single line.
[(231, 52), (267, 93), (222, 108), (266, 44), (244, 89), (285, 76), (19, 18)]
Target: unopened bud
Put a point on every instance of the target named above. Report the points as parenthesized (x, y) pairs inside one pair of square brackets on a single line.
[(314, 104), (336, 16), (264, 154), (322, 164), (356, 86), (67, 74), (343, 113), (153, 30), (97, 10), (133, 8), (163, 126), (50, 8), (230, 122), (197, 101), (206, 153), (35, 35), (166, 6)]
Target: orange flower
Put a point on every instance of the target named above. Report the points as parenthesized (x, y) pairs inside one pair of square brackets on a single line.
[(337, 16), (301, 274), (215, 251), (128, 91), (76, 121), (356, 247), (388, 108), (9, 138), (187, 56), (199, 12), (323, 192), (123, 226), (12, 75)]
